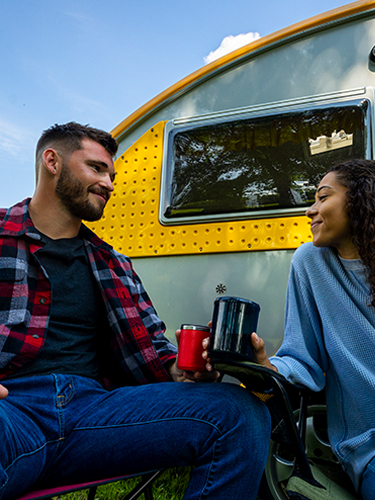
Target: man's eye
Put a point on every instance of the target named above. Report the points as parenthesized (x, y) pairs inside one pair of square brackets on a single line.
[(95, 167)]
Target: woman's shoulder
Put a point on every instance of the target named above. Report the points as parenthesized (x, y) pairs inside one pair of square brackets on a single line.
[(309, 250), (308, 255)]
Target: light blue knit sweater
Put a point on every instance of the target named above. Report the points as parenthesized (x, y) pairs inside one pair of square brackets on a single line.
[(330, 340)]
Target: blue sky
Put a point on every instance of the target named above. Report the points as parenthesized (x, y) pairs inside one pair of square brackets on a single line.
[(96, 61)]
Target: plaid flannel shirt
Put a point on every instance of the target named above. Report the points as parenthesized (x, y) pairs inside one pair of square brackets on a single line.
[(136, 334)]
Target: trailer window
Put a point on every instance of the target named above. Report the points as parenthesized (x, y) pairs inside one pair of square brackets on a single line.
[(260, 164)]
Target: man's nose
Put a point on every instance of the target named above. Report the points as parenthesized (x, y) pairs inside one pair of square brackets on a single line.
[(107, 183)]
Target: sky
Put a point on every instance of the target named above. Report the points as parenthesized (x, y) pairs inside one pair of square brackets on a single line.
[(97, 61)]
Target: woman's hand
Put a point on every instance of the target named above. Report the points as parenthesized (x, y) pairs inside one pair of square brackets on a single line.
[(3, 392), (259, 353)]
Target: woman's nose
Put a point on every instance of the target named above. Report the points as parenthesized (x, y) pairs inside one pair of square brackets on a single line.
[(311, 211)]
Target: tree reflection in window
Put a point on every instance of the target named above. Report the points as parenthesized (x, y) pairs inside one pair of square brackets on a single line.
[(263, 163)]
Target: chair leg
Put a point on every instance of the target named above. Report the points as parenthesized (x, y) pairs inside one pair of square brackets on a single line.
[(148, 488), (145, 486), (300, 458), (148, 493), (92, 493), (302, 419)]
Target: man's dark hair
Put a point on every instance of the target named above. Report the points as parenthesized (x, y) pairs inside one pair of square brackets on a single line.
[(68, 138)]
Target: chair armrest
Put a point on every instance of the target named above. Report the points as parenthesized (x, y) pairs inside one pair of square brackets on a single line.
[(258, 378)]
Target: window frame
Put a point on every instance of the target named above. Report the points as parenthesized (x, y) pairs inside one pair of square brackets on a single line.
[(319, 102)]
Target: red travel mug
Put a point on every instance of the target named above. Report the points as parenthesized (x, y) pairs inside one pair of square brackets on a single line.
[(190, 348)]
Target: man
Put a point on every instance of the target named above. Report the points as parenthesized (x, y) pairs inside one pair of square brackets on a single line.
[(81, 350)]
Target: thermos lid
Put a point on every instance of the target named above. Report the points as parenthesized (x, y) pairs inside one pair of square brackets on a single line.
[(227, 298), (195, 327)]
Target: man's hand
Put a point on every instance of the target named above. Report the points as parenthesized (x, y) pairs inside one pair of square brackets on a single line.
[(259, 353), (210, 375), (3, 392)]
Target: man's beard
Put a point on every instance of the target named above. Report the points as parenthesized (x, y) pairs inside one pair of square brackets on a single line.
[(75, 197)]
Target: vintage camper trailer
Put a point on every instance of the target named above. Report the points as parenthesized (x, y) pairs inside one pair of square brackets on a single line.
[(215, 173)]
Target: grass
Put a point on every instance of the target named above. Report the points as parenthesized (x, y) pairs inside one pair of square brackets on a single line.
[(170, 485)]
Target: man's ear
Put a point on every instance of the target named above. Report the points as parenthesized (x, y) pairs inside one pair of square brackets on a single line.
[(51, 160)]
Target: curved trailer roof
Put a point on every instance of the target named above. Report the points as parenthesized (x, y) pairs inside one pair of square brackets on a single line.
[(321, 21)]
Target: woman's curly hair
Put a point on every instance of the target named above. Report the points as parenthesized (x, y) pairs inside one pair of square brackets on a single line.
[(359, 177)]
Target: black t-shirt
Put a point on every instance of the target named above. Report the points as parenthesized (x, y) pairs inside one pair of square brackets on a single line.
[(76, 312)]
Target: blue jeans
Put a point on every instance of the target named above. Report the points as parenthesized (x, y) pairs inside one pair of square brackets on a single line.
[(368, 481), (63, 429)]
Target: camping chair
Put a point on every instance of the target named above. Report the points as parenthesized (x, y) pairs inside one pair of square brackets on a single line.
[(304, 472), (144, 487)]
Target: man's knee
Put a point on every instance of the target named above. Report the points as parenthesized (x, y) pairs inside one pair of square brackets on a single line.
[(235, 406)]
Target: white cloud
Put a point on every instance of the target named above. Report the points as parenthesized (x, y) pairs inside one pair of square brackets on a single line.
[(84, 22), (14, 139), (230, 43)]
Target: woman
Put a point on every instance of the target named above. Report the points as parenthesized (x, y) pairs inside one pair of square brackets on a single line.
[(330, 316)]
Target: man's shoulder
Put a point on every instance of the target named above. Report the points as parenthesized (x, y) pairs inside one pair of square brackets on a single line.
[(99, 245), (14, 219), (120, 259)]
